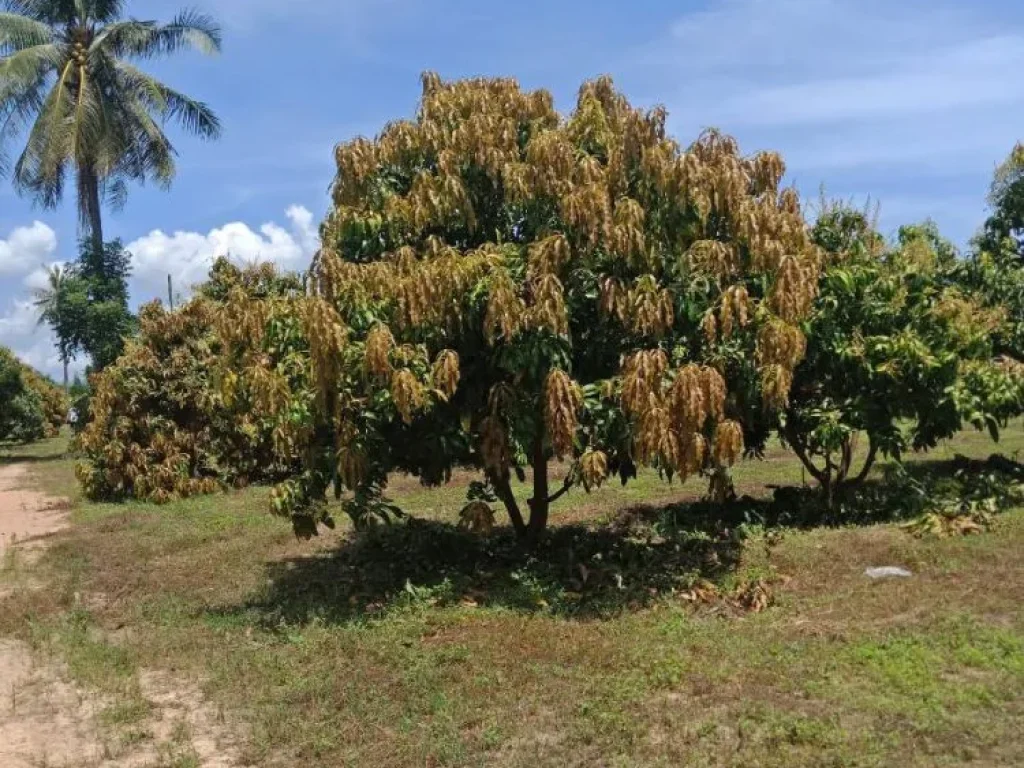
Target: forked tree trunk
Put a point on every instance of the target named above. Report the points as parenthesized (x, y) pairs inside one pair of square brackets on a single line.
[(503, 490), (835, 475), (539, 504)]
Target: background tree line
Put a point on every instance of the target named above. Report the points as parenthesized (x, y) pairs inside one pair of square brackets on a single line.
[(502, 286)]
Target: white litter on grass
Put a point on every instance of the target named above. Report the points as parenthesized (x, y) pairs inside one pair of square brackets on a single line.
[(886, 571)]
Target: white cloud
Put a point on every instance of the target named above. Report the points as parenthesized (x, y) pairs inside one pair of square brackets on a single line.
[(802, 62), (187, 256), (39, 278), (26, 248), (758, 39), (31, 342), (27, 251)]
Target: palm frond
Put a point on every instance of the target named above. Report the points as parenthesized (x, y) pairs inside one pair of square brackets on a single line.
[(26, 66), (153, 154), (95, 115), (15, 114), (23, 80), (18, 32), (124, 38), (190, 29), (48, 300), (192, 115), (115, 193), (105, 11), (41, 167), (46, 11), (147, 39)]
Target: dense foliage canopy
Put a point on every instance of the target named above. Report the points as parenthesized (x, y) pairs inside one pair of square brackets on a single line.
[(1004, 228), (170, 418), (31, 406), (500, 285), (85, 303), (898, 350)]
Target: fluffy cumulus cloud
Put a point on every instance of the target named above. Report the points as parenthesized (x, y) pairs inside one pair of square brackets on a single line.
[(34, 343), (26, 248), (187, 256), (25, 253), (28, 251)]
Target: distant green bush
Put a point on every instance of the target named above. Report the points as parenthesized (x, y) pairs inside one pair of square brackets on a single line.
[(31, 406)]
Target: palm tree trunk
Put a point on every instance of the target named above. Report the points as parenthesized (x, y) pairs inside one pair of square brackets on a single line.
[(91, 212)]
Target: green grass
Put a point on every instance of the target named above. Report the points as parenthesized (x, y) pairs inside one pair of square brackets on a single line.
[(418, 646)]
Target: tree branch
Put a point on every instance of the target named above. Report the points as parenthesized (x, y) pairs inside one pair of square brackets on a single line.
[(846, 460), (869, 462), (566, 485), (503, 490), (798, 448)]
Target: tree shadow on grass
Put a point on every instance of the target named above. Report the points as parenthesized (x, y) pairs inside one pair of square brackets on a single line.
[(576, 570), (903, 492), (18, 458), (641, 555)]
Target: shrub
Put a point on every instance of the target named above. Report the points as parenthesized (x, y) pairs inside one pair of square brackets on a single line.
[(898, 350), (172, 418), (54, 401), (31, 406)]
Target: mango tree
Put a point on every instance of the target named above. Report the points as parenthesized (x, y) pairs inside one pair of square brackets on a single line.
[(898, 351), (501, 286)]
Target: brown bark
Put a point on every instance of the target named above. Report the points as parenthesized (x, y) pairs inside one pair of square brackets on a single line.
[(540, 503), (503, 490), (869, 461), (834, 476), (801, 453), (90, 200)]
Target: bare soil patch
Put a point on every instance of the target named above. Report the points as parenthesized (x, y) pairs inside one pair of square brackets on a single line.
[(26, 516), (46, 719)]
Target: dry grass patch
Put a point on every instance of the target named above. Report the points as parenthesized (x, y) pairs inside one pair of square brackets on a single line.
[(422, 646)]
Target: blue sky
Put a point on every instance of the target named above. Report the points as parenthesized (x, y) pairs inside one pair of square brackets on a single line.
[(909, 102)]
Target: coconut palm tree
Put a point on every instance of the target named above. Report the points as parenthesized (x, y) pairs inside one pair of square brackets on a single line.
[(69, 82), (55, 309)]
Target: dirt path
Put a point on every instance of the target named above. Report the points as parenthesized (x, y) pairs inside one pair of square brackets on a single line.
[(26, 516), (46, 719)]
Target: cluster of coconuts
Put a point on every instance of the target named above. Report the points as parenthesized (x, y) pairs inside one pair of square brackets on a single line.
[(78, 53)]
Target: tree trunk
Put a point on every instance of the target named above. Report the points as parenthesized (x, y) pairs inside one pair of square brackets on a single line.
[(835, 477), (540, 503), (503, 490), (828, 482), (91, 211), (64, 360), (801, 453), (869, 462)]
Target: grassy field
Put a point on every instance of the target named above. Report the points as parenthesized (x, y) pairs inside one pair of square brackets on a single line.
[(421, 645)]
